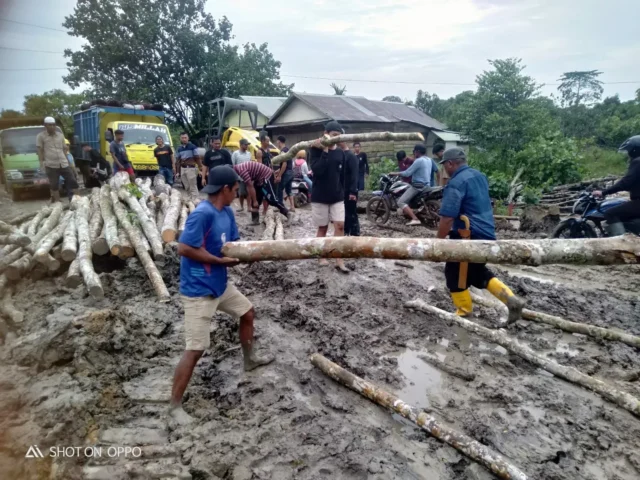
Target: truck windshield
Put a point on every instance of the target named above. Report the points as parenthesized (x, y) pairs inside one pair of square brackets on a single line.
[(135, 133), (20, 140)]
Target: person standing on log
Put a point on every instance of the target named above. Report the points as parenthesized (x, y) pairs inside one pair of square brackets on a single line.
[(120, 157), (351, 177), (327, 201), (53, 161), (189, 161), (286, 175), (627, 211), (467, 193), (204, 286), (363, 166), (238, 157), (420, 173), (215, 157), (257, 178), (166, 160)]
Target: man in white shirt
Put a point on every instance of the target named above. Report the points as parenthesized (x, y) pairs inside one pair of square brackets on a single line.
[(241, 156)]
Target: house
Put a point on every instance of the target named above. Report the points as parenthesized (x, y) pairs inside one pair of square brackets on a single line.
[(302, 117), (267, 106)]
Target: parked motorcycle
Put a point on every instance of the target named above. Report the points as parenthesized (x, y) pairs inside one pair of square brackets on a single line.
[(300, 192), (588, 210), (426, 205)]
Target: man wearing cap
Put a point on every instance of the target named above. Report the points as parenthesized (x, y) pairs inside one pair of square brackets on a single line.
[(327, 201), (53, 159), (467, 193), (237, 158), (420, 173), (204, 285)]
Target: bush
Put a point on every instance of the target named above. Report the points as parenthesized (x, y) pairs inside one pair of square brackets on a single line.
[(377, 169), (531, 196), (597, 162), (550, 160), (498, 186)]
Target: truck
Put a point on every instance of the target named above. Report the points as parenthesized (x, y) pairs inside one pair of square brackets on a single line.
[(19, 164), (96, 126)]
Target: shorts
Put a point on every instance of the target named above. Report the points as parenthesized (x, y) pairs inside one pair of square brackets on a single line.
[(478, 275), (242, 189), (128, 169), (324, 213), (54, 174), (198, 312)]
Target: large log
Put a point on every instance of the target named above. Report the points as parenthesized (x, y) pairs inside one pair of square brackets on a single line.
[(96, 224), (279, 231), (269, 225), (74, 277), (170, 224), (461, 442), (562, 324), (70, 241), (162, 207), (35, 223), (110, 222), (9, 258), (126, 249), (184, 213), (19, 219), (9, 310), (327, 141), (42, 255), (622, 399), (143, 255), (601, 251), (160, 186), (85, 254), (100, 245), (19, 267), (15, 239), (148, 227)]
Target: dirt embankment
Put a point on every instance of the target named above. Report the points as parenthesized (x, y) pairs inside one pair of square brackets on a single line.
[(74, 377)]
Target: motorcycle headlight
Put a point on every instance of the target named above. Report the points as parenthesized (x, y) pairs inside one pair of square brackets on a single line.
[(14, 175)]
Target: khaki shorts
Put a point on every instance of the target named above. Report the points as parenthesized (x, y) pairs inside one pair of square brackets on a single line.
[(198, 312), (324, 213)]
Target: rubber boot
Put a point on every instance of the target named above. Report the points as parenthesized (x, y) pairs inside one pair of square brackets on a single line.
[(616, 229), (255, 218), (463, 303), (503, 293), (253, 361)]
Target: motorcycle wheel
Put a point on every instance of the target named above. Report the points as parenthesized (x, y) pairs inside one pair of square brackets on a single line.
[(431, 217), (378, 210), (300, 199), (573, 229)]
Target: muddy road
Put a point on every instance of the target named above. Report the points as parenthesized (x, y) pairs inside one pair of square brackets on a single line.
[(81, 372)]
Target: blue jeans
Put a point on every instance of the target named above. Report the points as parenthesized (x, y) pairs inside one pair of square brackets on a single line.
[(167, 173)]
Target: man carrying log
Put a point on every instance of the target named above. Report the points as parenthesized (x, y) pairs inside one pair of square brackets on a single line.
[(257, 179), (467, 194), (204, 286)]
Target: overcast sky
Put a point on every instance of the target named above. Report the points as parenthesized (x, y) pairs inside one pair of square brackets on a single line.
[(432, 43)]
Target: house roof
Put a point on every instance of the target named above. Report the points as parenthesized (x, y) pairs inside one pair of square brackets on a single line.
[(267, 106), (359, 109), (449, 136)]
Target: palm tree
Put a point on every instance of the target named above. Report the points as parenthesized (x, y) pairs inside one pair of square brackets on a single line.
[(338, 90)]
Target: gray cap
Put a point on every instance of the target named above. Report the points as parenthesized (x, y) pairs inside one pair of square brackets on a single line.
[(244, 141), (453, 153)]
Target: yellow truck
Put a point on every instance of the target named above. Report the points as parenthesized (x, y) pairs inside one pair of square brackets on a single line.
[(96, 126)]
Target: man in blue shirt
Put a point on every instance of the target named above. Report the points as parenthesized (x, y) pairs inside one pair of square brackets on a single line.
[(204, 286), (188, 163), (467, 193), (420, 173)]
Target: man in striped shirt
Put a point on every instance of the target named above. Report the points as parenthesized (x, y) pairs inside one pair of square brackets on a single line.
[(257, 178)]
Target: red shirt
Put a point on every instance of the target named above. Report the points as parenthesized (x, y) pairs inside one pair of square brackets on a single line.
[(403, 165)]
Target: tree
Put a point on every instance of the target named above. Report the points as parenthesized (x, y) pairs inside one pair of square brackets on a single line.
[(580, 87), (392, 98), (8, 113), (169, 52), (338, 90), (55, 103), (433, 105)]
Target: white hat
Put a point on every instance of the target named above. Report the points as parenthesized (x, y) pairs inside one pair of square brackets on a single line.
[(49, 120)]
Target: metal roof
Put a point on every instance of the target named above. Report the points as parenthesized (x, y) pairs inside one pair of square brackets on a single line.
[(359, 109), (267, 106), (449, 136)]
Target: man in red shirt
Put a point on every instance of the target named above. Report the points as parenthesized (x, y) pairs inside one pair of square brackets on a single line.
[(404, 162)]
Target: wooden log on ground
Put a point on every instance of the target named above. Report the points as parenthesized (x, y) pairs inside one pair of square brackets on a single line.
[(349, 138), (461, 442), (148, 227), (602, 251), (153, 211), (70, 241), (160, 186), (622, 399), (144, 257), (269, 226), (184, 213), (85, 254), (126, 249), (170, 224), (162, 207), (562, 324), (9, 310), (143, 238), (279, 231), (100, 246), (403, 264), (25, 217), (110, 222), (19, 267), (96, 224), (191, 206), (14, 237), (41, 255), (9, 258), (74, 277), (446, 367), (118, 180), (35, 223)]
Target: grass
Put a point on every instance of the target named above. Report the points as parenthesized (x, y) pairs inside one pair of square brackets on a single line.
[(599, 162)]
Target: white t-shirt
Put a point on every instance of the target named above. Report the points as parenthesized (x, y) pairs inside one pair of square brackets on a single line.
[(239, 157)]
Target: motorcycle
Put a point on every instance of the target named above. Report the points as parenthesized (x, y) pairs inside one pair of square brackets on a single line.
[(588, 210), (300, 192), (426, 205)]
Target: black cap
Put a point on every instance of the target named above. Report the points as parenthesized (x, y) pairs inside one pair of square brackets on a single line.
[(333, 126), (219, 177)]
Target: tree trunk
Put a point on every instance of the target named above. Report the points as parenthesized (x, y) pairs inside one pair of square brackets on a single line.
[(170, 224), (85, 255), (348, 138), (562, 324), (461, 442), (49, 224), (118, 180), (74, 277), (279, 233), (445, 367), (96, 224), (110, 222), (19, 267), (148, 227), (162, 207), (601, 251), (160, 186), (143, 255), (184, 213), (41, 255), (15, 239), (22, 218), (269, 226), (126, 249), (153, 211), (33, 226), (623, 399), (9, 258), (8, 310), (100, 245), (70, 241)]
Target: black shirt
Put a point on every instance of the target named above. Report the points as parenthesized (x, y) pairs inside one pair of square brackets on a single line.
[(289, 163), (215, 158), (266, 158), (98, 161), (328, 175), (350, 174), (163, 155), (629, 183), (363, 163)]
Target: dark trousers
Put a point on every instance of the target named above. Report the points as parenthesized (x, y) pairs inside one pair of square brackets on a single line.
[(478, 276), (351, 221), (624, 212), (361, 185), (266, 192), (285, 185)]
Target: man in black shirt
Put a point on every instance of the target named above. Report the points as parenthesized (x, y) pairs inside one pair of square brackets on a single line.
[(285, 173), (215, 157), (351, 222), (99, 168), (327, 201), (166, 160), (363, 165)]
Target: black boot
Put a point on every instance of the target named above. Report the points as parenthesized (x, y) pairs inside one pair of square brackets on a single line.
[(255, 218), (616, 229)]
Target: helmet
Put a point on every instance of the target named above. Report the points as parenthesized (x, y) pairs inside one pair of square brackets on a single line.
[(631, 146)]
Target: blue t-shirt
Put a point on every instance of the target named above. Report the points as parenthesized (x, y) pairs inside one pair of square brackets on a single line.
[(419, 171), (210, 228), (120, 152), (186, 153), (467, 193)]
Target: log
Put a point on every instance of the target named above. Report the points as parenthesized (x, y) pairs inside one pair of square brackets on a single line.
[(118, 180), (100, 245), (348, 138), (14, 237), (191, 206), (160, 186), (85, 255), (41, 255), (270, 225), (279, 233), (126, 249), (153, 211), (184, 213), (461, 442), (403, 264), (8, 310), (445, 367), (70, 241), (49, 224), (74, 277), (148, 227), (35, 223), (143, 255), (110, 222), (19, 267), (145, 242), (9, 258), (602, 251), (25, 217), (96, 223), (162, 207), (622, 399), (170, 224), (562, 324)]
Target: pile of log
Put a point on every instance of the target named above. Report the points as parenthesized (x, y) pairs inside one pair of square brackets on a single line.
[(274, 225)]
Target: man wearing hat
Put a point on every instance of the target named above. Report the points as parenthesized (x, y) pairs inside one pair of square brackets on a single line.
[(53, 159), (467, 193), (204, 285), (238, 157)]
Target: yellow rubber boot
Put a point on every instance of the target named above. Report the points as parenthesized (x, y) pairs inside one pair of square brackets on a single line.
[(462, 301), (506, 296)]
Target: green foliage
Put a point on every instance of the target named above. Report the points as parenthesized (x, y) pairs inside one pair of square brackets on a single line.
[(377, 169), (170, 52), (56, 103), (598, 162), (133, 189), (580, 88), (498, 186), (550, 160), (392, 98), (531, 196), (338, 90), (8, 113)]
